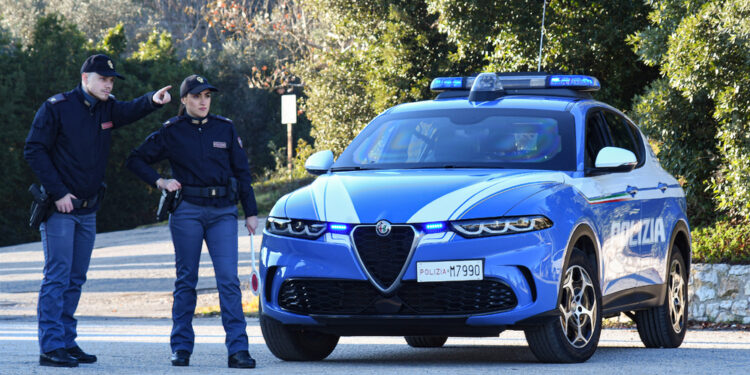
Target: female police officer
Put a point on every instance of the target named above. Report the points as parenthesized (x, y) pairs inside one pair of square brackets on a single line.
[(211, 169)]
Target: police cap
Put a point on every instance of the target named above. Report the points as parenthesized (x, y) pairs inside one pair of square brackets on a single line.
[(100, 64), (194, 84)]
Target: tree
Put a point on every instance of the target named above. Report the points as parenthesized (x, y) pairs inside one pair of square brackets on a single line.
[(703, 50), (579, 38), (376, 54), (379, 53)]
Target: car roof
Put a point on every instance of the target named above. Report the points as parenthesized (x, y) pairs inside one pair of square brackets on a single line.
[(541, 102)]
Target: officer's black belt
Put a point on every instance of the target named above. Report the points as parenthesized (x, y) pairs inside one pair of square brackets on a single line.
[(205, 192), (85, 203)]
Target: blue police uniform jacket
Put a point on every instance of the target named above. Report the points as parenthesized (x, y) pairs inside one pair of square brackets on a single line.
[(69, 141), (202, 152)]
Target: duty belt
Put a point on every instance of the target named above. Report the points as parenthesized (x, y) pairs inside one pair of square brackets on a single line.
[(205, 192), (85, 203)]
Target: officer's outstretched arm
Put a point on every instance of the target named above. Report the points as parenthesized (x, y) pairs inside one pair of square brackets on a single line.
[(124, 113)]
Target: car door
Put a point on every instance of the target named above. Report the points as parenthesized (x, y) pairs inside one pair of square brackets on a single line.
[(616, 209), (649, 229), (654, 191)]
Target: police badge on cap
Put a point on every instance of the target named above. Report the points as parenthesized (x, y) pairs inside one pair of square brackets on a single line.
[(194, 84), (100, 64)]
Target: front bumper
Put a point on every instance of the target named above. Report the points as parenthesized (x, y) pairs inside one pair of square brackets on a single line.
[(528, 264)]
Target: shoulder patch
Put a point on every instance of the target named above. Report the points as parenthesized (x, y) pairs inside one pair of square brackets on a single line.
[(57, 99), (222, 118), (171, 121)]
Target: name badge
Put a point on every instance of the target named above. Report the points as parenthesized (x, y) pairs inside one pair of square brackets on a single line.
[(106, 125), (220, 144)]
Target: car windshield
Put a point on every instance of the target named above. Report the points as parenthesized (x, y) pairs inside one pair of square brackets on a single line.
[(465, 138)]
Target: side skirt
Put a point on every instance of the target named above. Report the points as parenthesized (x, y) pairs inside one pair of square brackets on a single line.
[(633, 299)]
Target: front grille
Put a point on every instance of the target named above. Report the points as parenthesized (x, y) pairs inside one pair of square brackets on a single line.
[(353, 297), (326, 296), (458, 297), (383, 256)]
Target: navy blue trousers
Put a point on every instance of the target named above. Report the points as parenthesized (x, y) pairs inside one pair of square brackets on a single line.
[(190, 225), (68, 241)]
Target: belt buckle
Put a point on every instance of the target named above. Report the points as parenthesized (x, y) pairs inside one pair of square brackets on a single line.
[(213, 192)]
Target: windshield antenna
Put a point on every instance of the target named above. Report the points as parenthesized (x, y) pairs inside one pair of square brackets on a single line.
[(541, 37)]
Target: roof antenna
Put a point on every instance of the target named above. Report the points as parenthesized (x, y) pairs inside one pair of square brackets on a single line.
[(541, 37)]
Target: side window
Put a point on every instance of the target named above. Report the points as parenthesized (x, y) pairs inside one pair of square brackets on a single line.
[(596, 138), (622, 135)]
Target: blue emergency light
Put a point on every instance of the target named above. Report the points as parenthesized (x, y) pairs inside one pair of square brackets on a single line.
[(575, 82), (451, 83), (434, 227), (520, 81), (338, 228)]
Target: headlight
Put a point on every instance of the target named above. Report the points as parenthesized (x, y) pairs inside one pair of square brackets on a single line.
[(295, 228), (500, 226)]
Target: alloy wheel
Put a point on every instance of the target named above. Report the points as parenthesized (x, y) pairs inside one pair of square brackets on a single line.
[(578, 307), (676, 296)]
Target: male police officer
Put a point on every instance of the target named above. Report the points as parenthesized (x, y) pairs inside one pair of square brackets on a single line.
[(67, 148)]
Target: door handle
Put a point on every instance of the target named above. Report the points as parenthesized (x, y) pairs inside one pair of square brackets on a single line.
[(663, 187), (632, 190)]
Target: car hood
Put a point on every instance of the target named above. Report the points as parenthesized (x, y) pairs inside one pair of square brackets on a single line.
[(411, 196)]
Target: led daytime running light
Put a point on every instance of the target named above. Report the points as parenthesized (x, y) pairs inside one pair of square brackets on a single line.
[(500, 226), (295, 228)]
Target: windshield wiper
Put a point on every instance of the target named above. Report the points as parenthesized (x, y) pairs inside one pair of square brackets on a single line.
[(344, 169), (453, 166)]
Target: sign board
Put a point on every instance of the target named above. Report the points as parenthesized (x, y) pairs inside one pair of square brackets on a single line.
[(289, 109)]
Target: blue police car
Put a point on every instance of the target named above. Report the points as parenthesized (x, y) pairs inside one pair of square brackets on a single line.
[(510, 201)]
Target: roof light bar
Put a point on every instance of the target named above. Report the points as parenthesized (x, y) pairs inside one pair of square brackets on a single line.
[(519, 81)]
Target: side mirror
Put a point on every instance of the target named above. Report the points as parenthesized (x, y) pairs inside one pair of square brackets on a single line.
[(615, 159), (319, 162)]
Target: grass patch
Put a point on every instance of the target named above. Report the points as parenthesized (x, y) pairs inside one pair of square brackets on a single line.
[(250, 308)]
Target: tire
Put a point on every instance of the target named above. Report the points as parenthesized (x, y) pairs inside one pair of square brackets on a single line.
[(574, 336), (290, 344), (426, 341), (664, 326)]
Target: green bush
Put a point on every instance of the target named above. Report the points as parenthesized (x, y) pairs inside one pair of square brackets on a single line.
[(724, 242)]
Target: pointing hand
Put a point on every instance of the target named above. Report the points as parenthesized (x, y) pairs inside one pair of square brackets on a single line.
[(162, 96)]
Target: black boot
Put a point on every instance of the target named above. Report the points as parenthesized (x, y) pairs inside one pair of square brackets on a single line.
[(241, 359), (57, 358), (80, 355), (181, 358)]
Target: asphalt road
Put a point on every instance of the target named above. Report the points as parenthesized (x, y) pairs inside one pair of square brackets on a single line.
[(131, 275), (141, 346), (124, 311)]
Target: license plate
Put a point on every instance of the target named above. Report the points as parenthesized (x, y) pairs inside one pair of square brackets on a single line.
[(450, 270)]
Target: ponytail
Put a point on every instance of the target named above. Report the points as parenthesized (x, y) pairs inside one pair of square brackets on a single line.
[(181, 111)]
